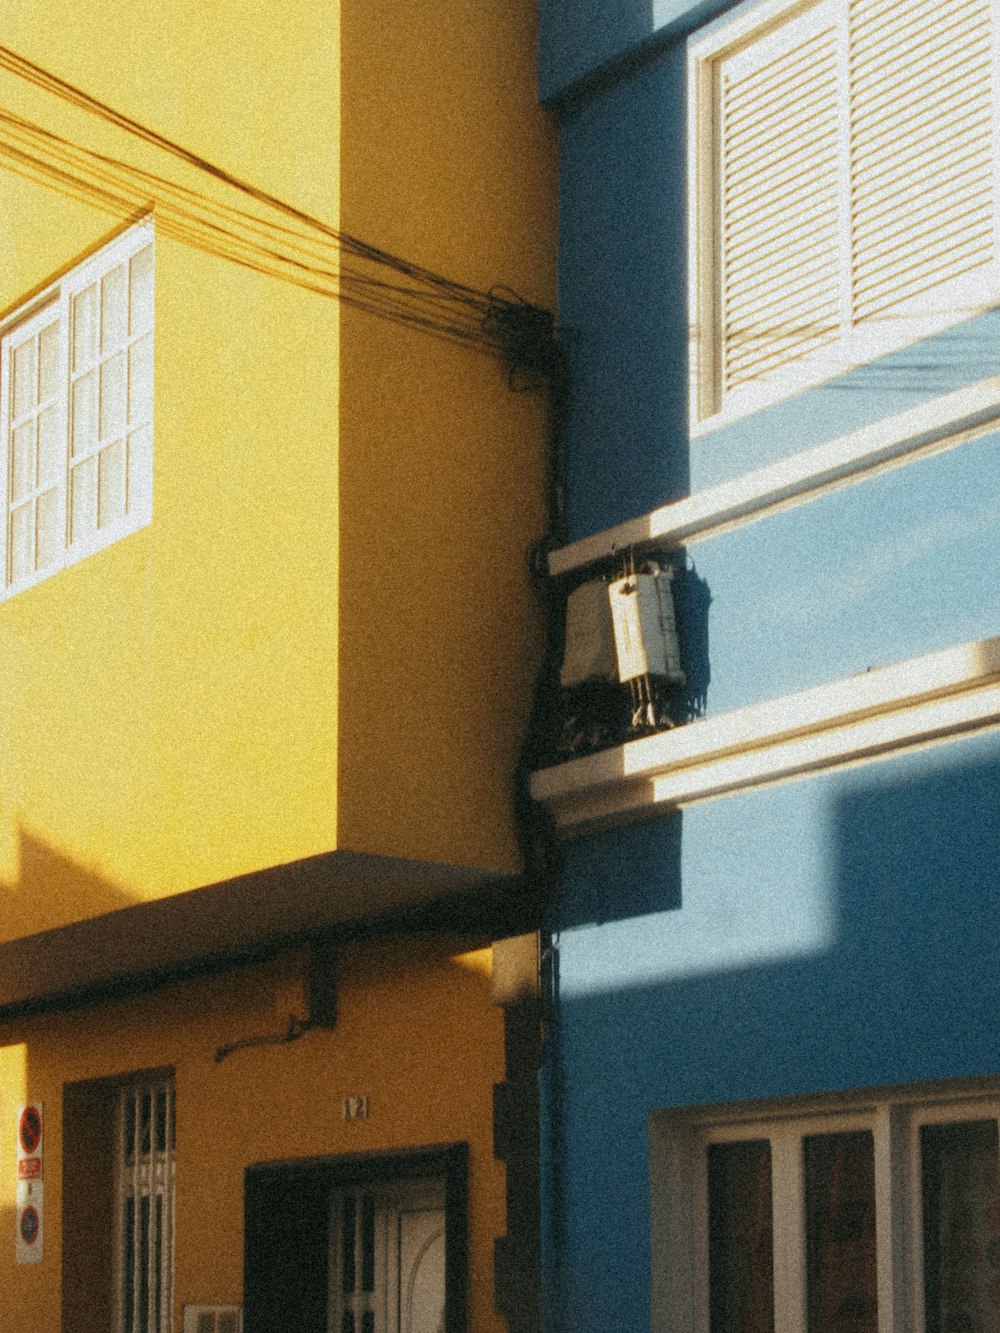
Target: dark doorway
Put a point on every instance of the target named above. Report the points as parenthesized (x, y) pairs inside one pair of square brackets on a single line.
[(354, 1244)]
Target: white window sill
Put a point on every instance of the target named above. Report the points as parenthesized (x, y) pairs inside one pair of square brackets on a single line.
[(939, 424), (860, 717)]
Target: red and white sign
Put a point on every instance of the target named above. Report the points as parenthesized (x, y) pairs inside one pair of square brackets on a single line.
[(30, 1130), (30, 1211), (29, 1217)]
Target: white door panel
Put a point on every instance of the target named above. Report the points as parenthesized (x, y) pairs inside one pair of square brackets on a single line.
[(387, 1258)]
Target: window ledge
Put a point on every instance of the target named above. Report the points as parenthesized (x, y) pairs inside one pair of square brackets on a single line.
[(941, 423), (859, 717)]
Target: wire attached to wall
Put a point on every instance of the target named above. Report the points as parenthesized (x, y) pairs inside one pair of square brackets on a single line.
[(297, 1027), (285, 242)]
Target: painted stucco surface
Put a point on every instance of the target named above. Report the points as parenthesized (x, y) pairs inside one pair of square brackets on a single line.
[(827, 933)]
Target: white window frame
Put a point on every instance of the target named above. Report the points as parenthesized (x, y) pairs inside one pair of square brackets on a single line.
[(679, 1196), (964, 297), (56, 302)]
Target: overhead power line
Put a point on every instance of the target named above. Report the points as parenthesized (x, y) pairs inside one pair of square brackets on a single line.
[(295, 246)]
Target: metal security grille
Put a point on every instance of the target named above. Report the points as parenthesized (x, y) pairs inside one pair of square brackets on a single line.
[(146, 1205)]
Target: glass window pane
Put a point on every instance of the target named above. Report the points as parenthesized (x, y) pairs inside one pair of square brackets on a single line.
[(141, 293), (157, 1294), (128, 1266), (113, 396), (114, 309), (25, 387), (129, 1117), (143, 1273), (140, 381), (348, 1240), (84, 415), (83, 504), (145, 1102), (48, 358), (21, 553), (961, 1224), (111, 484), (138, 480), (51, 449), (160, 1117), (22, 469), (740, 1238), (367, 1242), (85, 328), (49, 534), (840, 1233)]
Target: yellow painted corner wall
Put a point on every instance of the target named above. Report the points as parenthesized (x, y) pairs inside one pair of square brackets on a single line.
[(447, 161), (169, 708), (416, 1033)]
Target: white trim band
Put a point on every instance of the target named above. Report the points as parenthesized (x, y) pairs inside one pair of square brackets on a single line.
[(887, 708), (939, 424)]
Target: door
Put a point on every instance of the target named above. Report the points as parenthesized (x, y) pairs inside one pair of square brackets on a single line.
[(368, 1243), (387, 1258)]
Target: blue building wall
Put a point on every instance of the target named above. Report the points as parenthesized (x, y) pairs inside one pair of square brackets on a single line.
[(580, 40), (818, 935), (828, 933)]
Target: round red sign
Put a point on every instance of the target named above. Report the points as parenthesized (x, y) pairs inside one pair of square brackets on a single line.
[(30, 1225), (29, 1129)]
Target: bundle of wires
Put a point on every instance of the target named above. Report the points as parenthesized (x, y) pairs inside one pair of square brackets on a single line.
[(257, 229)]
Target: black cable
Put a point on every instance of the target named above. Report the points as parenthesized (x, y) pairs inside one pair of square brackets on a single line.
[(297, 1027), (35, 74)]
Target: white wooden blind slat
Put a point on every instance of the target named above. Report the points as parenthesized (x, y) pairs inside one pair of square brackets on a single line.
[(855, 176), (779, 145), (926, 138)]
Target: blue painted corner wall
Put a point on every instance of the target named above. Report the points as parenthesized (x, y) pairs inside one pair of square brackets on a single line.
[(834, 932), (579, 40), (829, 934)]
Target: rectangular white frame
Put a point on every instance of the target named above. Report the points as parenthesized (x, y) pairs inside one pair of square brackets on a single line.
[(968, 296), (59, 297), (678, 1196)]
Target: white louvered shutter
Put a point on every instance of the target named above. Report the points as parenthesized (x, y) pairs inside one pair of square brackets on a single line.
[(922, 174), (855, 186), (779, 196)]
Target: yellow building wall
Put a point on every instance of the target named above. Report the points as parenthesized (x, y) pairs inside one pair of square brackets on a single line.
[(416, 1033), (326, 636), (448, 160), (170, 703)]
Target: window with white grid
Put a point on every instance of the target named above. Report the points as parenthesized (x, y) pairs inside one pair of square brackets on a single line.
[(844, 187), (76, 413), (145, 1212), (881, 1216)]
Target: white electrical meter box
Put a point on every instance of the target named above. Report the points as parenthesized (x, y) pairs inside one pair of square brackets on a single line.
[(590, 647), (645, 632)]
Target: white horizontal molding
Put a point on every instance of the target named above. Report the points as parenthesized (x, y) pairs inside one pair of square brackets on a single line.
[(885, 709), (941, 423)]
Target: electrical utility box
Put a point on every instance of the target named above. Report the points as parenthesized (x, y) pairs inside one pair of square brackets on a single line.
[(645, 630)]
